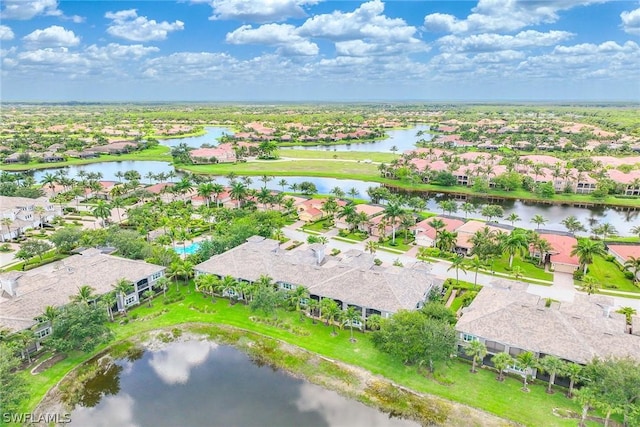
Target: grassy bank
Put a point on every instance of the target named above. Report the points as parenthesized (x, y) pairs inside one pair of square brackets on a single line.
[(453, 382), (157, 153), (340, 169), (338, 155)]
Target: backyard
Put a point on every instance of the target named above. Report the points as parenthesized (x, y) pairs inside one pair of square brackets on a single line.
[(452, 382)]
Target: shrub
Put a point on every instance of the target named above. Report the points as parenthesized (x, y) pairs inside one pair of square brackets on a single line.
[(577, 275), (335, 251), (610, 258), (377, 261), (628, 274)]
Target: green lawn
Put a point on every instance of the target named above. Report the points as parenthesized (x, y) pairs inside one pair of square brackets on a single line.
[(609, 275), (337, 169), (480, 390), (321, 226), (342, 155), (355, 235), (400, 243), (530, 270)]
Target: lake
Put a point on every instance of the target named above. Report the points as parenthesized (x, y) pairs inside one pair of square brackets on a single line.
[(200, 383), (211, 137), (402, 139)]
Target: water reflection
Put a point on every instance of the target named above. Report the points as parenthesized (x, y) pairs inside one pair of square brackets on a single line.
[(211, 137), (173, 365), (402, 139), (199, 384)]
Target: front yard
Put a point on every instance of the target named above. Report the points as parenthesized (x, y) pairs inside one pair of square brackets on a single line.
[(609, 275)]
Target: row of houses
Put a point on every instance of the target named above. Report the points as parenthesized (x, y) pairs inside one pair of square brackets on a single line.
[(540, 168), (24, 295), (52, 156), (22, 214)]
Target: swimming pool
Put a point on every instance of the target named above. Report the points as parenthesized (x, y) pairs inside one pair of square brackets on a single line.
[(188, 250)]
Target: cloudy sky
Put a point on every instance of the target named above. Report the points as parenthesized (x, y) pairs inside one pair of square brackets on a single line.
[(296, 50)]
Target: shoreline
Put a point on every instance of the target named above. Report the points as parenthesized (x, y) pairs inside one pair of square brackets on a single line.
[(351, 382)]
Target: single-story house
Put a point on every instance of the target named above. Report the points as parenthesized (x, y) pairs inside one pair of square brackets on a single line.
[(622, 252), (223, 153), (513, 321), (560, 256), (351, 278), (426, 234), (369, 210)]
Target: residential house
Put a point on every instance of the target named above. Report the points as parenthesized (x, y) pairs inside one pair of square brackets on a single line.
[(22, 213), (631, 181), (559, 256), (24, 295), (426, 234), (469, 228), (623, 252), (311, 210), (369, 210), (513, 321), (223, 153), (351, 279)]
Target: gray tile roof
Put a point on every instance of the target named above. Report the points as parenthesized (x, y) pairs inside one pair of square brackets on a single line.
[(579, 331), (55, 283), (351, 277)]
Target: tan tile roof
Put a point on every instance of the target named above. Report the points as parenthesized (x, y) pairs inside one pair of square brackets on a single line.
[(576, 331), (53, 284), (351, 278)]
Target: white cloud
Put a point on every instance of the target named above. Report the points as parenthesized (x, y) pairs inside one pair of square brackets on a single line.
[(126, 24), (6, 33), (27, 9), (283, 36), (496, 42), (173, 364), (54, 36), (631, 21), (503, 15), (259, 10), (362, 48), (586, 60), (112, 411)]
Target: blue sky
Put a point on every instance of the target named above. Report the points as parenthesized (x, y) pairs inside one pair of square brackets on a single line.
[(313, 50)]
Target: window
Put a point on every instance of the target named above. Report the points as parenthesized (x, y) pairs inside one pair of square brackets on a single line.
[(516, 368), (287, 286), (156, 276), (130, 299), (43, 333), (469, 338)]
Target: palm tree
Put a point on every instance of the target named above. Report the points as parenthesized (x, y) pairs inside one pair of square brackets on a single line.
[(447, 240), (573, 225), (24, 338), (392, 212), (586, 249), (312, 307), (589, 285), (551, 365), (85, 295), (122, 288), (467, 208), (205, 190), (216, 190), (436, 224), (238, 192), (574, 372), (148, 295), (477, 350), (633, 265), (283, 183), (330, 310), (49, 315), (636, 230), (458, 265), (525, 361), (371, 247), (109, 300), (501, 362), (514, 243), (538, 220), (298, 296), (513, 217), (476, 264), (628, 312), (338, 192), (103, 211), (265, 180), (50, 180), (374, 322), (351, 316), (607, 230), (353, 192)]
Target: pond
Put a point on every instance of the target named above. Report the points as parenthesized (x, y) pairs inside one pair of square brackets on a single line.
[(402, 139), (211, 137), (200, 383)]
